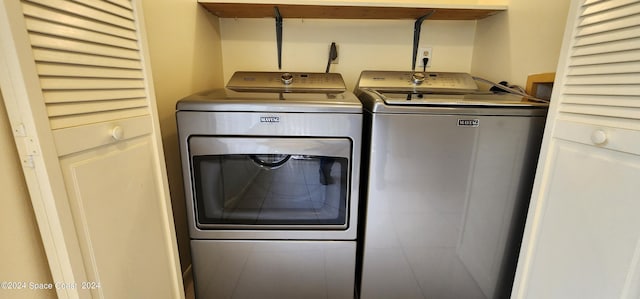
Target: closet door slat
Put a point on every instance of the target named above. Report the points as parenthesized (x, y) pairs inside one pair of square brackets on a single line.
[(78, 21), (609, 36), (615, 112), (602, 80), (603, 6), (603, 69), (94, 106), (123, 3), (605, 15), (88, 60), (605, 58), (63, 96), (62, 44), (608, 47), (69, 121), (108, 7), (74, 8), (50, 56), (70, 70), (609, 25), (609, 79), (49, 83), (608, 100), (64, 31), (603, 89)]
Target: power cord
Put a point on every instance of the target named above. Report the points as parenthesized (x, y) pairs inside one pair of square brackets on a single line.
[(333, 54), (510, 90), (425, 61)]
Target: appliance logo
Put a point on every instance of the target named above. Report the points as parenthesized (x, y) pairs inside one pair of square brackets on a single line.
[(468, 123), (270, 119)]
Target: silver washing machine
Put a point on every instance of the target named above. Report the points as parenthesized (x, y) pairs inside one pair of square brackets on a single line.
[(271, 168), (450, 172)]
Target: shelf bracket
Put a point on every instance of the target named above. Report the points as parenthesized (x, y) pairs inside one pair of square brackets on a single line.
[(278, 35), (416, 36)]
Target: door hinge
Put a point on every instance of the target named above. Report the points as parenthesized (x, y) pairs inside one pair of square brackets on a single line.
[(31, 150), (28, 162), (30, 145)]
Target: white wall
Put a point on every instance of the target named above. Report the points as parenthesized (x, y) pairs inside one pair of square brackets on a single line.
[(184, 45), (524, 40), (250, 45), (23, 258), (509, 46)]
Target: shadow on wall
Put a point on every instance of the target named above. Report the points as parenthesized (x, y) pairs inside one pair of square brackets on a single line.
[(185, 58)]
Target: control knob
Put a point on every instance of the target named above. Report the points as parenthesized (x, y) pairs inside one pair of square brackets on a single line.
[(417, 78), (286, 78)]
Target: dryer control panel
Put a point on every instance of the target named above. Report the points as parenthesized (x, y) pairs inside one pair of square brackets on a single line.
[(421, 82), (287, 82)]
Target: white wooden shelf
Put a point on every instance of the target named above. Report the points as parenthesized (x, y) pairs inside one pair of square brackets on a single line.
[(334, 9)]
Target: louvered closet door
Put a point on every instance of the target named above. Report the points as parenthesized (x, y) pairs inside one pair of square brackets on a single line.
[(81, 103), (582, 238), (602, 81)]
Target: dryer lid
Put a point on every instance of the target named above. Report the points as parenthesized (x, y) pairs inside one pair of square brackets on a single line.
[(229, 100), (277, 92), (482, 99)]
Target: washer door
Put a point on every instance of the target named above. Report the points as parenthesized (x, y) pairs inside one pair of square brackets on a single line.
[(270, 183)]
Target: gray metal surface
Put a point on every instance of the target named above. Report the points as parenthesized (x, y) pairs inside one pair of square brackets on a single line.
[(267, 116), (308, 115), (229, 100), (273, 269), (448, 104), (286, 82), (439, 82), (439, 93), (310, 125), (447, 188)]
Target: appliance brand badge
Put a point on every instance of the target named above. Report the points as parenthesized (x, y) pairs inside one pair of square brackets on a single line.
[(269, 119), (468, 123)]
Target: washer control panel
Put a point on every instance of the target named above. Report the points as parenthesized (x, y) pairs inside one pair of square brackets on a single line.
[(428, 82), (286, 82)]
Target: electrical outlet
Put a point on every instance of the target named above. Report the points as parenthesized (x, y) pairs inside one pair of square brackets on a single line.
[(422, 53)]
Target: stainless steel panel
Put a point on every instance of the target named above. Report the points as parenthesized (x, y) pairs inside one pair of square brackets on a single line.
[(251, 125), (446, 202), (440, 82), (273, 269), (287, 82), (209, 145), (311, 118), (445, 104), (229, 100), (261, 124)]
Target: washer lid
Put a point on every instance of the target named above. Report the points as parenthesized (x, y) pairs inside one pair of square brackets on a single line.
[(483, 99), (229, 100), (277, 92)]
